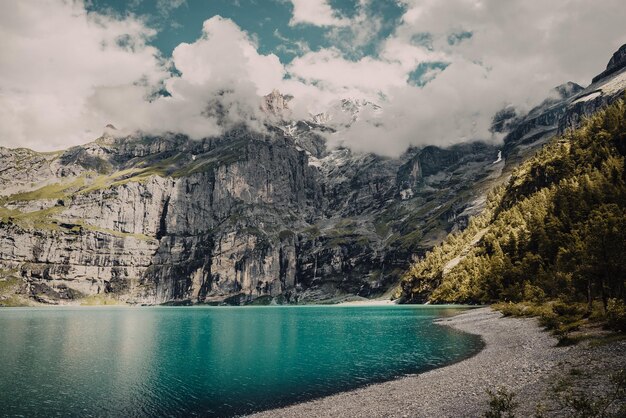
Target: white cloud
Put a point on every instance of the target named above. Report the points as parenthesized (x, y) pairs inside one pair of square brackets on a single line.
[(575, 38), (328, 69), (363, 29), (65, 73), (517, 52), (222, 79), (54, 55), (315, 12), (289, 46)]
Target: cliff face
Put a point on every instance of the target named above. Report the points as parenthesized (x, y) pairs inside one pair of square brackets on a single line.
[(564, 109), (236, 218), (247, 216), (616, 63)]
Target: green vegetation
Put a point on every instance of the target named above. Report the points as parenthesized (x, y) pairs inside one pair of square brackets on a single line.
[(40, 219), (501, 404), (122, 177), (8, 282), (14, 301), (228, 154), (589, 404), (264, 300), (344, 232), (9, 286), (570, 394), (77, 226), (561, 318), (555, 232), (52, 191), (312, 231), (286, 234)]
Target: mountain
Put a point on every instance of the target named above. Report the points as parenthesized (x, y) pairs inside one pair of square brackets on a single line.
[(555, 229), (237, 218), (274, 217)]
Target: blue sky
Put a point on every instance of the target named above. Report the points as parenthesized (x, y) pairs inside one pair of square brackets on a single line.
[(439, 70), (266, 20)]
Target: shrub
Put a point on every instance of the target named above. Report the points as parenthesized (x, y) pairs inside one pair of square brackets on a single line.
[(570, 310), (616, 315), (501, 404)]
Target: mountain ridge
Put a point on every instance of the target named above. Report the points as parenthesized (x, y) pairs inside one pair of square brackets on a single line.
[(246, 217)]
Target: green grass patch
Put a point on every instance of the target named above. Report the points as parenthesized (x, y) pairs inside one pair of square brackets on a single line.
[(52, 191), (382, 229), (119, 178), (41, 219), (9, 284), (607, 339), (312, 231), (564, 319), (286, 234), (264, 300), (225, 154), (14, 301)]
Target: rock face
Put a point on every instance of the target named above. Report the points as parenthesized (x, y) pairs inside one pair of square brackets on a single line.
[(564, 109), (616, 63), (600, 93), (249, 216), (525, 133), (236, 218), (276, 104)]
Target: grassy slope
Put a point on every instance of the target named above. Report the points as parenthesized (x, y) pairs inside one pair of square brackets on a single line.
[(556, 231)]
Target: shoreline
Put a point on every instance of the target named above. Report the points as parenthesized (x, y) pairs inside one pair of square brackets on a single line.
[(355, 303), (518, 355)]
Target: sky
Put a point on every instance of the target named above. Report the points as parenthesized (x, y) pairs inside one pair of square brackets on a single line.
[(438, 70)]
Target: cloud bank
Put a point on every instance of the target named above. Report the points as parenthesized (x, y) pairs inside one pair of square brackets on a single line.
[(439, 77), (221, 78)]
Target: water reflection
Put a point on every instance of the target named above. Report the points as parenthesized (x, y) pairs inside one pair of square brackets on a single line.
[(208, 361)]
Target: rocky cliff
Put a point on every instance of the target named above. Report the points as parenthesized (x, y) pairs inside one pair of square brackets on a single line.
[(249, 216), (243, 217)]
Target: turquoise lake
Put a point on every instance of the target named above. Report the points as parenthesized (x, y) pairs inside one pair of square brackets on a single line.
[(210, 361)]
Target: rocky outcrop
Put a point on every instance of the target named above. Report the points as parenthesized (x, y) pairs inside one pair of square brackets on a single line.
[(276, 104), (236, 218), (524, 133), (616, 63), (249, 216), (605, 89), (564, 109)]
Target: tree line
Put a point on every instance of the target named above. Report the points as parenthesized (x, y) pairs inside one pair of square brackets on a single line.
[(555, 231)]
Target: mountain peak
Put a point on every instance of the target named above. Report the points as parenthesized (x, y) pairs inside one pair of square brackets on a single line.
[(276, 104), (345, 111), (567, 90)]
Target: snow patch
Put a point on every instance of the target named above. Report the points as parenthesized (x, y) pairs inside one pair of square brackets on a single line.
[(588, 97), (499, 157)]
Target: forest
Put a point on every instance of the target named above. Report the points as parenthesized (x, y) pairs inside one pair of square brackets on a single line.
[(555, 232)]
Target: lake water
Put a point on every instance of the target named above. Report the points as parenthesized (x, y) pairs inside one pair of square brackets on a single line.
[(209, 361)]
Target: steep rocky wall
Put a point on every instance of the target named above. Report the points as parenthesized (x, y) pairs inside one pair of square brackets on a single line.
[(152, 220), (250, 216), (209, 233)]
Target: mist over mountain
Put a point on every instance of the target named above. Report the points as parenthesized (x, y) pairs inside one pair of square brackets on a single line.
[(284, 214), (438, 72)]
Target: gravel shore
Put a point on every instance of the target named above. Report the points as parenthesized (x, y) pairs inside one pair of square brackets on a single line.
[(518, 356)]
